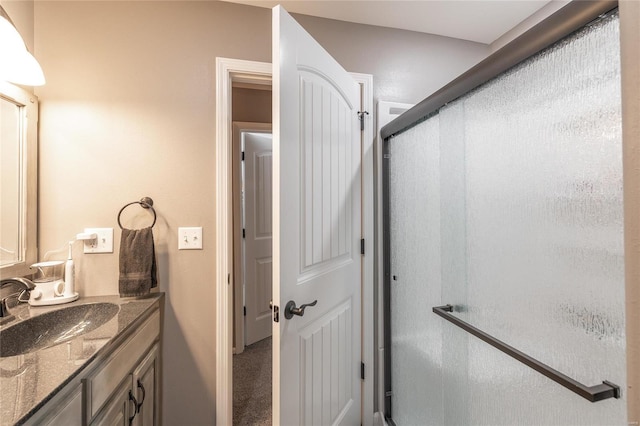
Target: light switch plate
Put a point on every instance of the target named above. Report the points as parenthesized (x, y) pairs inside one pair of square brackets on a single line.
[(190, 238), (102, 244)]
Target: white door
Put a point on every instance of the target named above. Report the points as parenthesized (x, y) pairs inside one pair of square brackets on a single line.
[(317, 231), (257, 235)]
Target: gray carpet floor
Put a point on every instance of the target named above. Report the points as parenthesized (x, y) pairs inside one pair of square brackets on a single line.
[(252, 385)]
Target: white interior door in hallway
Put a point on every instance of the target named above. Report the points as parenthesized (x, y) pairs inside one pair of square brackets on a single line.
[(257, 235), (317, 224)]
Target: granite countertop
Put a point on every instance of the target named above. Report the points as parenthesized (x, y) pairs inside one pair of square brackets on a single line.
[(29, 380)]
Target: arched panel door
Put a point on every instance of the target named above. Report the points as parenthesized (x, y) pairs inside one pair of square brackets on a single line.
[(317, 232)]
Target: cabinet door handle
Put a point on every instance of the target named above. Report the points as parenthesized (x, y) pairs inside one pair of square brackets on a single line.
[(144, 395), (135, 405)]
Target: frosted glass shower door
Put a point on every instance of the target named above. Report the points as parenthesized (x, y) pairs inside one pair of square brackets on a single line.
[(507, 204), (416, 350)]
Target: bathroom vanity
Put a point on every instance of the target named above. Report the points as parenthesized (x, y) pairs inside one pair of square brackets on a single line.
[(98, 362)]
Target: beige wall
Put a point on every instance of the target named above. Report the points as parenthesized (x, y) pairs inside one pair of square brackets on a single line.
[(539, 15), (129, 111), (630, 61), (251, 105), (406, 66)]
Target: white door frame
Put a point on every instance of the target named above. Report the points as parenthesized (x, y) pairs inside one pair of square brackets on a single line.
[(229, 71)]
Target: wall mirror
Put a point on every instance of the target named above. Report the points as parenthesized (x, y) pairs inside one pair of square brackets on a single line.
[(18, 180)]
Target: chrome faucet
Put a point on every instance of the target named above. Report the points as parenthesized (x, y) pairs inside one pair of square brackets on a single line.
[(26, 284)]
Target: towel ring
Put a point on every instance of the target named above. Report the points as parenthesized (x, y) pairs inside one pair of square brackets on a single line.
[(145, 203)]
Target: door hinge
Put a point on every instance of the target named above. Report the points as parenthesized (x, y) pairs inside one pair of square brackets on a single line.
[(244, 233), (245, 311), (362, 370), (361, 115), (242, 156), (362, 246), (276, 313)]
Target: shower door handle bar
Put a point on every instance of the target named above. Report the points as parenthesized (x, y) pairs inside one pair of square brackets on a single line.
[(594, 393)]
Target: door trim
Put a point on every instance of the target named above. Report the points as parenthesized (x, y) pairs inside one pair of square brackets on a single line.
[(368, 261), (236, 70), (227, 70)]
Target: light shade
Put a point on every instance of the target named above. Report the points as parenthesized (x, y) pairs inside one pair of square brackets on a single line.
[(17, 65)]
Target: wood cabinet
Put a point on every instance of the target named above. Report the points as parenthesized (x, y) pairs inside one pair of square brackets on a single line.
[(135, 402), (120, 366), (121, 387), (117, 411), (146, 382), (67, 411)]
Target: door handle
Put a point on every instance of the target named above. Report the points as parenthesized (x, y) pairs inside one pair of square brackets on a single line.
[(290, 309)]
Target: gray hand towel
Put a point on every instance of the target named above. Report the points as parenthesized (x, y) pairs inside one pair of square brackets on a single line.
[(137, 262)]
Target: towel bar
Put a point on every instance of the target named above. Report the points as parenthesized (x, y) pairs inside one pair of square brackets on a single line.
[(145, 203), (594, 393)]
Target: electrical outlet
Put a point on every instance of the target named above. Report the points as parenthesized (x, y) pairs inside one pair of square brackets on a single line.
[(190, 238), (102, 244)]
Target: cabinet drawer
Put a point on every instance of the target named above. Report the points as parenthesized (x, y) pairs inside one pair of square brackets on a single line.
[(103, 382)]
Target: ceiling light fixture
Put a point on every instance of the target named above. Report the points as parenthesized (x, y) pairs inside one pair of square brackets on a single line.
[(17, 65)]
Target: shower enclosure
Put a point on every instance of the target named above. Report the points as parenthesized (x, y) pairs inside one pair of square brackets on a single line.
[(504, 260)]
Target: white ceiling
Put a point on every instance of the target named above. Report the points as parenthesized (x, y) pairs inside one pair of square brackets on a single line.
[(481, 21)]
